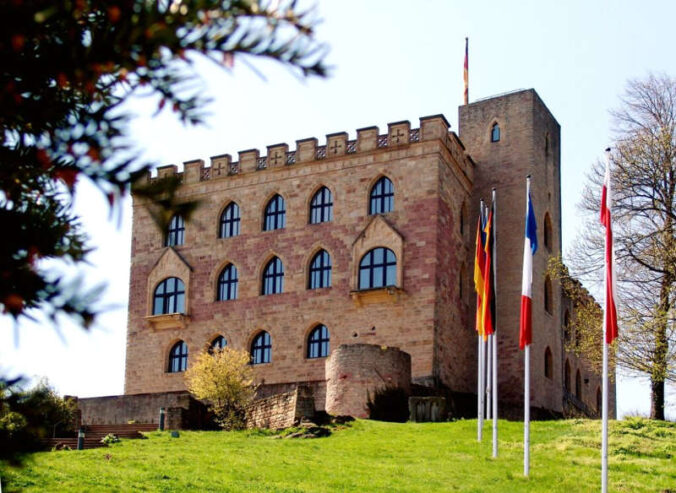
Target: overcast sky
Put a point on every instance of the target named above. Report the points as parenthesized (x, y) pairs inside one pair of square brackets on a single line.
[(392, 60)]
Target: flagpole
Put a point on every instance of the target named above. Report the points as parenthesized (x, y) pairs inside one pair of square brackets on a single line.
[(489, 362), (465, 72), (604, 405), (495, 333), (480, 357), (526, 383)]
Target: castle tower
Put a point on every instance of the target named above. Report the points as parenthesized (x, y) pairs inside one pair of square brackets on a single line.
[(509, 137)]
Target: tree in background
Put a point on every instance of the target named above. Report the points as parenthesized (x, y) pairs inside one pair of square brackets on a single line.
[(223, 378), (643, 182), (67, 68)]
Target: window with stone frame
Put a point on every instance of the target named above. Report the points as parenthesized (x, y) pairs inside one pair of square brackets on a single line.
[(217, 344), (228, 284), (321, 206), (318, 342), (378, 269), (495, 132), (175, 232), (261, 349), (273, 277), (275, 214), (230, 221), (382, 197), (169, 297), (320, 271), (178, 357)]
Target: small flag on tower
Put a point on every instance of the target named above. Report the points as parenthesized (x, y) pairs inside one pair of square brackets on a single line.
[(466, 71)]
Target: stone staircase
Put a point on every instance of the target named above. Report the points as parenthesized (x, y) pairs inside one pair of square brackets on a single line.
[(94, 434)]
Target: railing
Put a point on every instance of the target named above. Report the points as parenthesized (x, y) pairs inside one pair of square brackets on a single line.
[(382, 141), (261, 163), (414, 135), (321, 152), (351, 147)]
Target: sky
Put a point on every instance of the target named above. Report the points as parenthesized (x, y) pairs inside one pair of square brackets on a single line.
[(391, 61)]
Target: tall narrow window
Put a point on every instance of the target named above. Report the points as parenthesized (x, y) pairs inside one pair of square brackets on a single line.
[(175, 232), (230, 221), (548, 363), (548, 231), (169, 297), (178, 357), (548, 295), (578, 385), (377, 269), (275, 214), (261, 349), (318, 342), (227, 283), (321, 207), (320, 270), (566, 327), (273, 277), (382, 197), (566, 378), (217, 344), (598, 400), (495, 133)]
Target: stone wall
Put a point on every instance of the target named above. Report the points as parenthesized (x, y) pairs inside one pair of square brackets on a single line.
[(281, 410), (144, 408), (355, 371)]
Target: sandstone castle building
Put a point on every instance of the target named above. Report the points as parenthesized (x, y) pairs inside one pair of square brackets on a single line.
[(370, 241)]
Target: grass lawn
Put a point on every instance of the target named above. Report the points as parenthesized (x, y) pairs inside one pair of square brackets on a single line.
[(367, 456)]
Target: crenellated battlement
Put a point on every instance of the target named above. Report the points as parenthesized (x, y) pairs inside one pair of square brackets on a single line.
[(368, 139)]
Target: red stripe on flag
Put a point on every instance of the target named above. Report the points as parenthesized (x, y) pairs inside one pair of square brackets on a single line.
[(525, 327), (610, 311)]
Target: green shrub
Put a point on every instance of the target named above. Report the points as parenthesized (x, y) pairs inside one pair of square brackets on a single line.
[(110, 438)]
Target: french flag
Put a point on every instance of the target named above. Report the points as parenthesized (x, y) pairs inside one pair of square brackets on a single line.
[(529, 249)]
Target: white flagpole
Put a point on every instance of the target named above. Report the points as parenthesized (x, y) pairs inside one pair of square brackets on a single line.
[(494, 338), (604, 404), (480, 357), (526, 390)]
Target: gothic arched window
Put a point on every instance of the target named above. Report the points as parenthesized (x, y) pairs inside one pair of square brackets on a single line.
[(178, 357), (382, 197), (227, 284), (578, 385), (261, 349), (318, 342), (321, 207), (495, 133), (273, 277), (566, 378), (169, 297), (377, 269), (320, 270), (275, 214), (230, 221)]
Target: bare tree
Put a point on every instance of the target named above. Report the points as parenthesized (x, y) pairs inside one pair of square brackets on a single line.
[(643, 181)]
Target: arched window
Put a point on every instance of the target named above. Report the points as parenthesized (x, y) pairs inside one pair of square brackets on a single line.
[(599, 400), (169, 297), (548, 295), (578, 385), (495, 133), (175, 231), (548, 231), (275, 214), (230, 221), (377, 269), (217, 344), (321, 207), (178, 357), (548, 363), (273, 277), (227, 283), (320, 270), (566, 327), (261, 349), (318, 342), (382, 197), (566, 377)]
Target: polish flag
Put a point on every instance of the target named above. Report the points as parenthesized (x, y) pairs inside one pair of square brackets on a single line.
[(610, 311), (529, 249)]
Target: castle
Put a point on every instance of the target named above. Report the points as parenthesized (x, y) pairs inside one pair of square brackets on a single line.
[(294, 254)]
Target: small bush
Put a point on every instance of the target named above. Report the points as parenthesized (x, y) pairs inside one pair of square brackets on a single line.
[(388, 404), (110, 438)]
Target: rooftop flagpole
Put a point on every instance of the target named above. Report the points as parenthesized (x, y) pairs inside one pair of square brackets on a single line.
[(466, 71)]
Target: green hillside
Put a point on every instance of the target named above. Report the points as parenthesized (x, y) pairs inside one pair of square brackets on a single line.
[(367, 456)]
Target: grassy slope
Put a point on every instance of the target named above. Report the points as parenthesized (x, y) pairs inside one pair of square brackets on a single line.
[(368, 456)]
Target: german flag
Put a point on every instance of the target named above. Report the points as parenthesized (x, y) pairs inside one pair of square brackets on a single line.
[(488, 297), (479, 265)]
